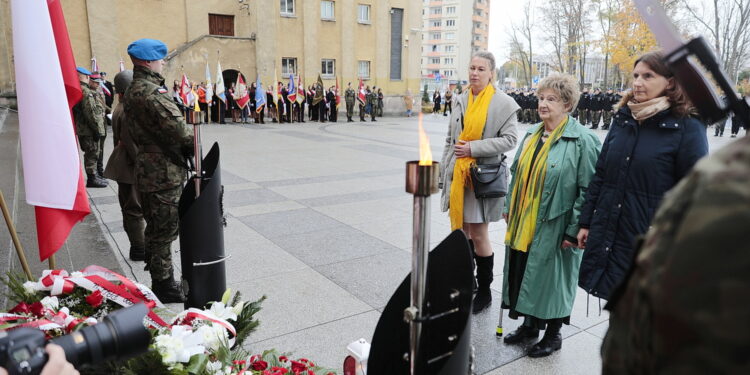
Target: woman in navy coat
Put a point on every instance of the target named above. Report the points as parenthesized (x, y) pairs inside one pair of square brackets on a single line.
[(653, 142)]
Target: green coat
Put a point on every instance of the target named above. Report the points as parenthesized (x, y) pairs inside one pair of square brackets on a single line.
[(548, 288)]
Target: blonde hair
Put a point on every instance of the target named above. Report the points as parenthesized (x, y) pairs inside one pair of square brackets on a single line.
[(564, 85)]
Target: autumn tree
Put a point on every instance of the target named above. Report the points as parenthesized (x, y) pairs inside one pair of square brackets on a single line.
[(607, 14), (631, 37)]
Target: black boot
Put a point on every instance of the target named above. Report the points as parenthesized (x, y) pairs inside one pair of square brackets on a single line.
[(137, 254), (551, 342), (168, 291), (483, 298), (94, 182), (522, 334)]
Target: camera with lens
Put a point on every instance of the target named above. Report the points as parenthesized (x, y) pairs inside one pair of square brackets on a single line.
[(120, 335)]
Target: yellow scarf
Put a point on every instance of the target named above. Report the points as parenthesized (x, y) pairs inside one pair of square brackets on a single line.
[(475, 117), (527, 191)]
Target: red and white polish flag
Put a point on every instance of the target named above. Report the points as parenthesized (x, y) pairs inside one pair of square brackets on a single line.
[(45, 73)]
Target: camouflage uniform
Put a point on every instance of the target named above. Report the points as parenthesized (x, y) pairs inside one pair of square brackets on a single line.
[(103, 138), (684, 308), (89, 116), (350, 96), (373, 101), (164, 142)]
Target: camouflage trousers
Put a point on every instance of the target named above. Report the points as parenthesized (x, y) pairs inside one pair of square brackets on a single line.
[(90, 149), (132, 214), (349, 110), (607, 119), (596, 116), (160, 212)]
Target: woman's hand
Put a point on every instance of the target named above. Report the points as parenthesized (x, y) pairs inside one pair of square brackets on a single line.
[(566, 244), (462, 149), (583, 236), (57, 364)]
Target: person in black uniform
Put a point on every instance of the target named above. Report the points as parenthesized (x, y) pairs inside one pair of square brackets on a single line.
[(331, 100), (596, 106)]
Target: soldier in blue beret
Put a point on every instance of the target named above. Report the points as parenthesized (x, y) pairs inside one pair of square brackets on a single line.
[(164, 143)]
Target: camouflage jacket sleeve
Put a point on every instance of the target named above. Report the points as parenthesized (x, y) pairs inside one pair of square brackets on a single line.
[(172, 131), (685, 306), (92, 112)]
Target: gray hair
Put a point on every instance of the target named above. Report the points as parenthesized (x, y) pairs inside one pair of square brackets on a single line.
[(564, 85), (485, 55)]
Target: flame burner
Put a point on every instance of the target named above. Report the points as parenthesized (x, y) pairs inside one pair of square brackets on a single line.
[(421, 181)]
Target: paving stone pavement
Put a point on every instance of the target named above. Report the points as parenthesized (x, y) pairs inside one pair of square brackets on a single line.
[(318, 221)]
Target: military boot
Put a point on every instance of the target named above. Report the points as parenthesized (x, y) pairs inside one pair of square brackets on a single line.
[(483, 298), (168, 291), (550, 342), (93, 181)]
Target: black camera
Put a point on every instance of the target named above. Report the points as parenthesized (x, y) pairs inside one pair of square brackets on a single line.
[(120, 335)]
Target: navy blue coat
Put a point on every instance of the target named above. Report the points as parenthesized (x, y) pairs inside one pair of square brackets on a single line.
[(637, 165)]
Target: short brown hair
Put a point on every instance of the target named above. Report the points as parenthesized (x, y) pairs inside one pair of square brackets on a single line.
[(681, 105), (564, 85)]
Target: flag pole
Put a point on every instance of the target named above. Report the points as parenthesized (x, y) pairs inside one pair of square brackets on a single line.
[(14, 236)]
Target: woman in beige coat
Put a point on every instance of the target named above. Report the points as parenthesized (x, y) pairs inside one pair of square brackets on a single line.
[(482, 127)]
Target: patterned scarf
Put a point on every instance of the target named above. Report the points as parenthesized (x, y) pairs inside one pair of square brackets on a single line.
[(527, 191), (475, 117), (644, 110)]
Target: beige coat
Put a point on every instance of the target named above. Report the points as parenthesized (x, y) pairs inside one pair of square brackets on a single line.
[(499, 136)]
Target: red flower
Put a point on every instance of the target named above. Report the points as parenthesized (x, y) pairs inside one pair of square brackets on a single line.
[(37, 309), (298, 367), (310, 372), (283, 358), (21, 308), (259, 365), (95, 299)]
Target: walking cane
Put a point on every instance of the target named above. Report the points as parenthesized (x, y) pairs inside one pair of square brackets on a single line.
[(499, 329)]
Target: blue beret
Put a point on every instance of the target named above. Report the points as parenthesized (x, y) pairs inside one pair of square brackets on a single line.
[(147, 49), (83, 70)]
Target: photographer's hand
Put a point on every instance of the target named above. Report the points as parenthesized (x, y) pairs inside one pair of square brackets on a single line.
[(57, 364)]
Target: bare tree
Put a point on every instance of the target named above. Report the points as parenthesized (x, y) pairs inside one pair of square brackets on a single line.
[(521, 42), (568, 22), (728, 25)]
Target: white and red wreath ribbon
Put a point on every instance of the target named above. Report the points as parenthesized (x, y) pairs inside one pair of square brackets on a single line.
[(97, 278), (192, 314)]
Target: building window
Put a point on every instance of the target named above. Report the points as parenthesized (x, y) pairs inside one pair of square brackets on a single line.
[(448, 61), (326, 10), (478, 12), (397, 43), (288, 66), (436, 10), (450, 10), (450, 36), (448, 73), (364, 69), (328, 67), (364, 13), (435, 60), (450, 23), (435, 23), (220, 24), (287, 7), (435, 35), (449, 48), (434, 48)]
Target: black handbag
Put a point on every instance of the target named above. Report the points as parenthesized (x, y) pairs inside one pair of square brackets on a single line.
[(490, 180)]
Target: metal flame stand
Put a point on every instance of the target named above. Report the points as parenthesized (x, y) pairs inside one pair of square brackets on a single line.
[(421, 181)]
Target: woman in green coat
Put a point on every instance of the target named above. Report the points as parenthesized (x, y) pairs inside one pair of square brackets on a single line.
[(551, 171)]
